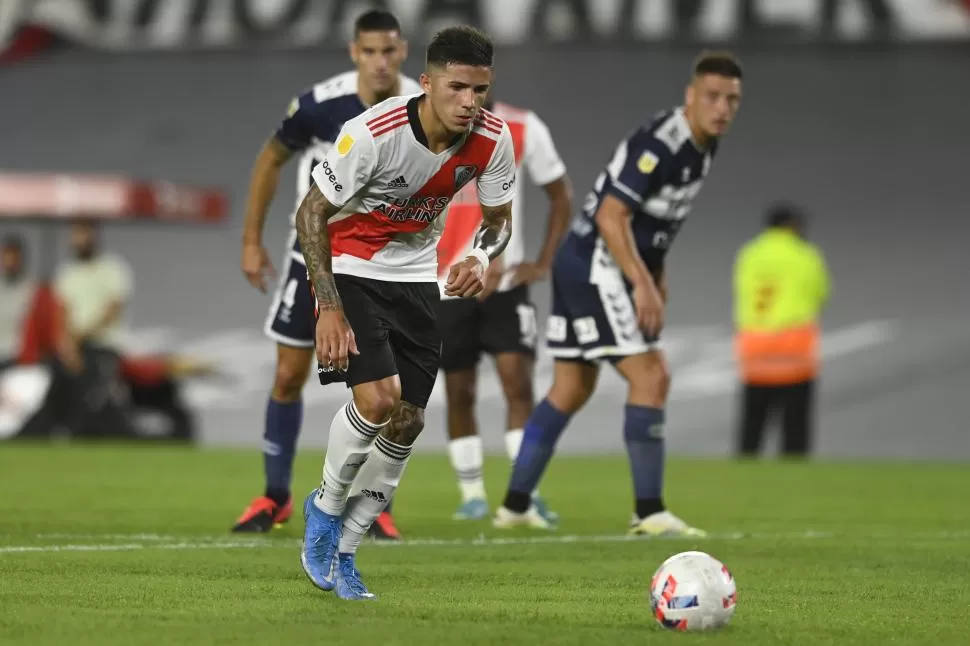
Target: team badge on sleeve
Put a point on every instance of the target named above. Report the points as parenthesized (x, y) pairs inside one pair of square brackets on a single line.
[(293, 107), (648, 161), (345, 144)]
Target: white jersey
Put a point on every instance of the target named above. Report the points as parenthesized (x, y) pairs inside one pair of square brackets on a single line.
[(394, 192), (534, 149), (314, 118)]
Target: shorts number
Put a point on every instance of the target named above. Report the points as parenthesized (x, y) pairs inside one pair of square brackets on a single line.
[(289, 293)]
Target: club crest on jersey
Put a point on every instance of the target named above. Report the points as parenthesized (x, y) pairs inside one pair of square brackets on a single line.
[(647, 162), (463, 175)]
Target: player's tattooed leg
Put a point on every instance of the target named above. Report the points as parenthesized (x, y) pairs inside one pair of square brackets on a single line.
[(407, 422)]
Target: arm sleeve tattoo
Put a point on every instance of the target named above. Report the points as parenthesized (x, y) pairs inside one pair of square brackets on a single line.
[(496, 230), (311, 230)]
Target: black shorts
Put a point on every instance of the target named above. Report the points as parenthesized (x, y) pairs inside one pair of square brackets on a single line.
[(394, 324), (290, 320), (503, 322)]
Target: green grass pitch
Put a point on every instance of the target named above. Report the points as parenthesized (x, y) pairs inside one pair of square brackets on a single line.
[(129, 545)]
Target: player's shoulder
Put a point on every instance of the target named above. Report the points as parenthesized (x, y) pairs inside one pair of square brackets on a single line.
[(667, 131), (334, 88), (490, 125), (410, 86), (382, 118)]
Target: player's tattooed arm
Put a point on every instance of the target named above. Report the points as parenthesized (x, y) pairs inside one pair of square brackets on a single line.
[(311, 230), (496, 230)]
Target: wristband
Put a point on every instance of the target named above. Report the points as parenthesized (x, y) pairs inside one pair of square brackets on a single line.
[(481, 256)]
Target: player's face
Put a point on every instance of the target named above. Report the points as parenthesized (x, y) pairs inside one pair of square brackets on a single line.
[(378, 56), (713, 102), (457, 93)]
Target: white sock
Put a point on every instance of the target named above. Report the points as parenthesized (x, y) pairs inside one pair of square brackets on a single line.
[(467, 459), (378, 481), (348, 448), (513, 442)]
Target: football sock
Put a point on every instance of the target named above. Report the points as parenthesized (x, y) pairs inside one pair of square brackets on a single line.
[(542, 431), (279, 446), (643, 432), (467, 458), (513, 443), (378, 480), (348, 448)]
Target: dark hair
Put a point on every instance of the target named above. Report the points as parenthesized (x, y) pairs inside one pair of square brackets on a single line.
[(784, 215), (719, 63), (376, 20), (461, 46)]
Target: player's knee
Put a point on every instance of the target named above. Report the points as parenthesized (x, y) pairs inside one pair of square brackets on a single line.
[(518, 389), (569, 397), (377, 402), (289, 380), (651, 384), (461, 392)]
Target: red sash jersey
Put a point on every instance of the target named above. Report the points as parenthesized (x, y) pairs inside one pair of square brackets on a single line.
[(394, 192)]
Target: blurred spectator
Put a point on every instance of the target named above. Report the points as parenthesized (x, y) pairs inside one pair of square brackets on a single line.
[(781, 284), (16, 290), (93, 288)]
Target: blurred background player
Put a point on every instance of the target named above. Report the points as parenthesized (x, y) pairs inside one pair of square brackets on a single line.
[(369, 230), (609, 289), (502, 320), (781, 284), (310, 127), (16, 291)]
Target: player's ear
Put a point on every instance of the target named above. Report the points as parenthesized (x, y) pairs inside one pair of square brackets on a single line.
[(404, 50), (425, 82), (689, 94), (352, 50)]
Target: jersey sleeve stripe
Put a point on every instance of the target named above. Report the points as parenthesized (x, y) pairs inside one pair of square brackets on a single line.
[(387, 116), (388, 126), (488, 128), (490, 120)]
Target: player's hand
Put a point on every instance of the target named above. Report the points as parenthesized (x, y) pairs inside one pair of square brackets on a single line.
[(255, 263), (650, 308), (466, 278), (335, 340), (527, 273), (492, 278)]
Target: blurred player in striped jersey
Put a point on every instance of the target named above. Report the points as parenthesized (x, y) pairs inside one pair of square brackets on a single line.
[(310, 127), (501, 322), (609, 290)]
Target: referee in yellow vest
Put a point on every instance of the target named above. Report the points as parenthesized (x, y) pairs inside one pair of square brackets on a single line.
[(781, 285)]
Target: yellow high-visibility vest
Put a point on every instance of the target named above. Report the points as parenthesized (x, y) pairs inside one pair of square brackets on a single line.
[(780, 282), (780, 286)]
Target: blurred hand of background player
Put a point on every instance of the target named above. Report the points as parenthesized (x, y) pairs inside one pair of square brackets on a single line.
[(335, 340), (526, 273), (492, 278), (465, 279), (255, 261), (650, 308)]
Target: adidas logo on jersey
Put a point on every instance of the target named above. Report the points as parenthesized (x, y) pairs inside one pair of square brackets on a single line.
[(400, 182)]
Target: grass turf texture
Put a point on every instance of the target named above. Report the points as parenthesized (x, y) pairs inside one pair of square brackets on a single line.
[(888, 562)]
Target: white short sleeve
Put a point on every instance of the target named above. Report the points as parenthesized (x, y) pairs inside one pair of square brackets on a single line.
[(496, 184), (349, 164), (540, 156)]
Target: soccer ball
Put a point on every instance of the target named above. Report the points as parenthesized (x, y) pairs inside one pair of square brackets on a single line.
[(692, 591)]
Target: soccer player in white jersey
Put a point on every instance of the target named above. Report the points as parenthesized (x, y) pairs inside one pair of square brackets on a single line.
[(369, 229), (310, 127), (502, 321)]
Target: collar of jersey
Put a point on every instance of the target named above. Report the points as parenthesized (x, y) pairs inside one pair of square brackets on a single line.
[(415, 122)]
